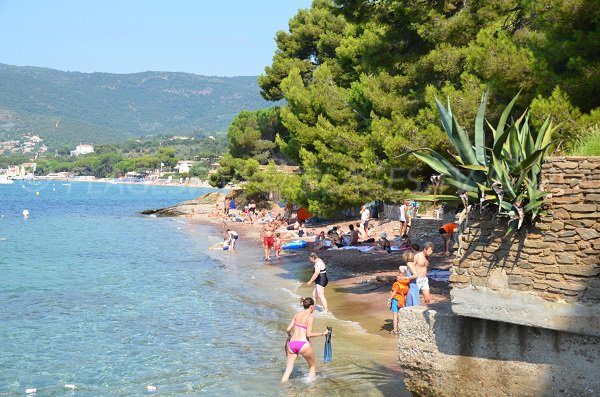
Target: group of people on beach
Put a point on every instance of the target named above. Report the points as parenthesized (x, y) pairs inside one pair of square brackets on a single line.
[(411, 282)]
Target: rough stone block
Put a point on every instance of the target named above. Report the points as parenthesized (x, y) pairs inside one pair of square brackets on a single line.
[(567, 165), (591, 215), (567, 233), (567, 259), (590, 260), (565, 286), (515, 279), (595, 198), (566, 240), (457, 278), (550, 238), (590, 185), (581, 208), (547, 269), (587, 234), (578, 270)]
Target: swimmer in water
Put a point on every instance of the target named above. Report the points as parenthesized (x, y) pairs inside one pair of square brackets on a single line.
[(298, 341)]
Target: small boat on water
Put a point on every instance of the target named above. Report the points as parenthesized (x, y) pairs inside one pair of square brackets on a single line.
[(5, 180)]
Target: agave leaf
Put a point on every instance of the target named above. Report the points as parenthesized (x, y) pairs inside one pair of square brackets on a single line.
[(461, 185), (463, 145), (526, 164), (439, 164), (446, 118), (502, 172), (482, 168), (431, 197), (479, 131), (504, 117), (484, 188)]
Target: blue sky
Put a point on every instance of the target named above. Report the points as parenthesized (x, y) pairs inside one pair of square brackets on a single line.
[(207, 37)]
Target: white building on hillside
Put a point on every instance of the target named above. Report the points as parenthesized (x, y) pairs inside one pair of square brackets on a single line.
[(82, 148), (183, 166)]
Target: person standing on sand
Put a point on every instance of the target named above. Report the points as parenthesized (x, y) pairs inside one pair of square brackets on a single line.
[(403, 218), (398, 296), (298, 341), (412, 298), (421, 267), (365, 214), (268, 232), (320, 279)]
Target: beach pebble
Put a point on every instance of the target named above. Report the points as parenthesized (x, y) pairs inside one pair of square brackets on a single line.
[(151, 388)]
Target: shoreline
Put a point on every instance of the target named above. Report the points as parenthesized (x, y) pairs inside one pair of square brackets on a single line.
[(359, 282)]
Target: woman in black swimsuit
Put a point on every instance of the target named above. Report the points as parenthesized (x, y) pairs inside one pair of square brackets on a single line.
[(320, 279)]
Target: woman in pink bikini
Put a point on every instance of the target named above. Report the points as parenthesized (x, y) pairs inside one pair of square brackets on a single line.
[(302, 324)]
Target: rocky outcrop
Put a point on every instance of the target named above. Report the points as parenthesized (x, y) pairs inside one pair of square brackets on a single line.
[(201, 205)]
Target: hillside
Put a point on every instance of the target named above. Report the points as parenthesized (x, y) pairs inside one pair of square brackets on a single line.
[(68, 107)]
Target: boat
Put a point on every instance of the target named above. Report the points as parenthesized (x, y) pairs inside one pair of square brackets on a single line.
[(5, 180)]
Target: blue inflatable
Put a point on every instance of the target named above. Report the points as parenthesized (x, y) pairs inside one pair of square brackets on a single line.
[(294, 245)]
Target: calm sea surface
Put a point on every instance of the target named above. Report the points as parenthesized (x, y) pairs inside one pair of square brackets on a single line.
[(95, 295)]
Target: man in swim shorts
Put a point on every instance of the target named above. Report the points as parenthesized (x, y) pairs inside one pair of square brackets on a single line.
[(421, 263), (268, 235)]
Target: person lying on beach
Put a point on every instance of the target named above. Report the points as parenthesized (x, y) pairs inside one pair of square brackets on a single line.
[(398, 296), (298, 341)]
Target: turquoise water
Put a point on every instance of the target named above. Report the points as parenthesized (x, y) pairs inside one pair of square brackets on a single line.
[(95, 295)]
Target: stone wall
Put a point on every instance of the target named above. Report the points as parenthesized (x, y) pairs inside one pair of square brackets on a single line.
[(444, 354), (547, 274)]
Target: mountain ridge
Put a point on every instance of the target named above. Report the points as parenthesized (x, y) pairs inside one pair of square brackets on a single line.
[(108, 107)]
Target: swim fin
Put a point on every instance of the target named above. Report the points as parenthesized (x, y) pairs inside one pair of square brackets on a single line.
[(327, 355)]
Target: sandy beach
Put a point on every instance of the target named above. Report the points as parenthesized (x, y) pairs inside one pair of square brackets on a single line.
[(360, 282)]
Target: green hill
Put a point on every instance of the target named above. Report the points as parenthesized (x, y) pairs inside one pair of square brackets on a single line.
[(69, 107)]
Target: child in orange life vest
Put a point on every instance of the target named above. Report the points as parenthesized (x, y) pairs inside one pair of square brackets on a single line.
[(398, 295)]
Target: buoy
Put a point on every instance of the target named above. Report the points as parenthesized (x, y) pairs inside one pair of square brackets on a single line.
[(53, 189), (31, 390), (151, 388), (37, 193), (25, 214), (70, 386)]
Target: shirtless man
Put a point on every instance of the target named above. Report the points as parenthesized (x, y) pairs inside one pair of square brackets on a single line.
[(353, 235), (421, 263), (268, 235)]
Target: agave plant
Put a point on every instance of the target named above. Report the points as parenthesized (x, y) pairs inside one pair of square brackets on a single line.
[(507, 173)]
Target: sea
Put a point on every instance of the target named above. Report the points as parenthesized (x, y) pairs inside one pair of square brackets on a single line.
[(99, 300)]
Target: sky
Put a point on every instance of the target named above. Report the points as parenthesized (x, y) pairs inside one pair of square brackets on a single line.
[(206, 37)]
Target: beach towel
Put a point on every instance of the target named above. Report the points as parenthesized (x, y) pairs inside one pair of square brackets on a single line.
[(361, 248)]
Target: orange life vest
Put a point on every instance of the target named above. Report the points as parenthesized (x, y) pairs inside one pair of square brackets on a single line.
[(400, 288)]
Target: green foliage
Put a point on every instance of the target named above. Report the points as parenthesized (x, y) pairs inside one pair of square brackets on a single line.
[(507, 173), (252, 134), (360, 78), (590, 145)]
